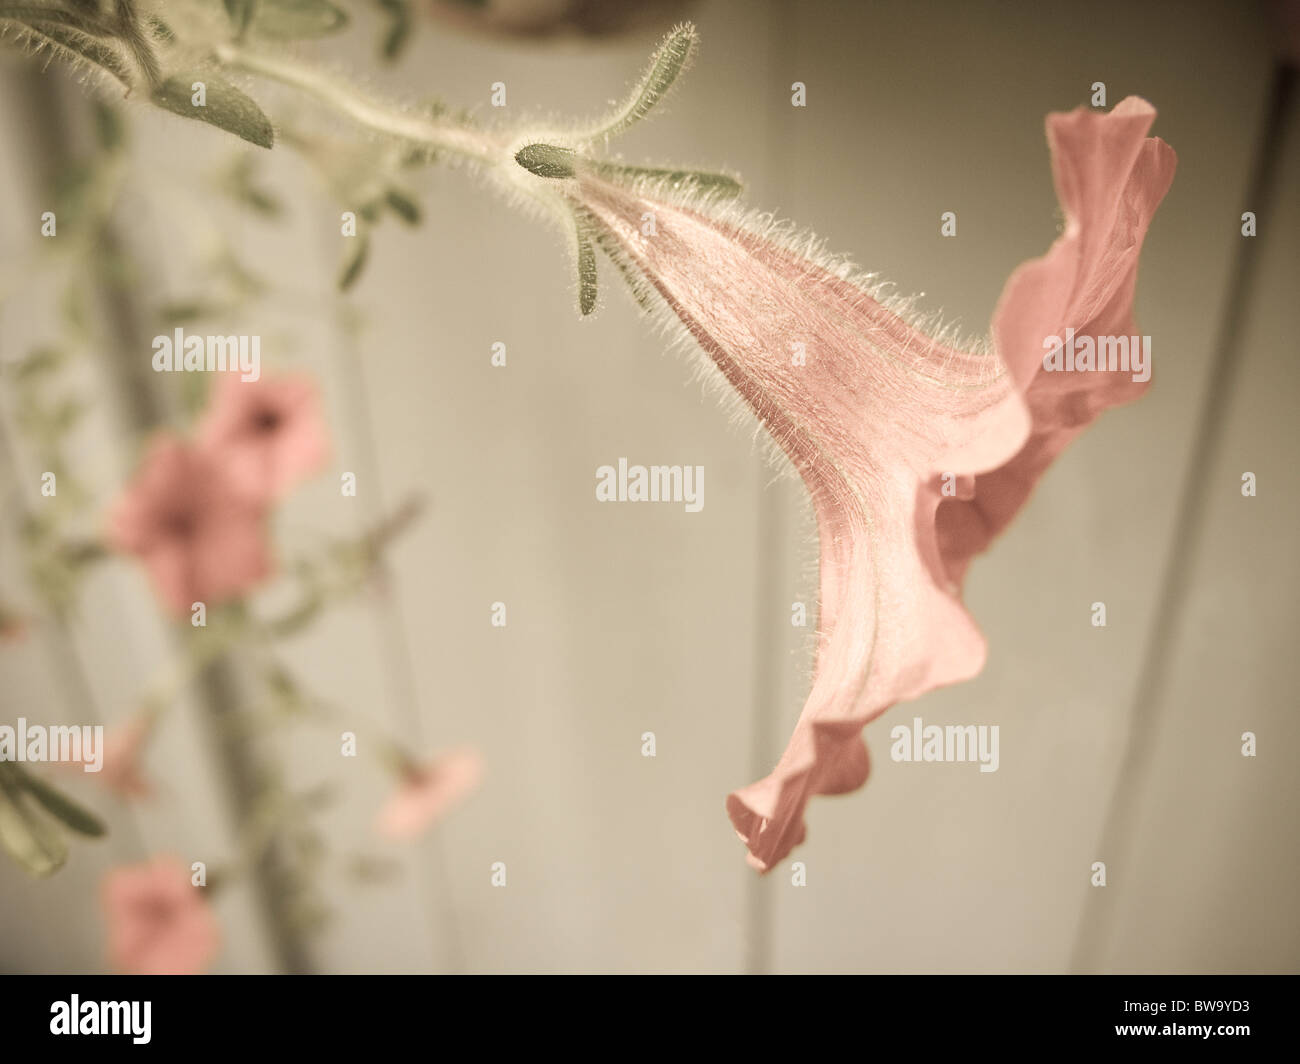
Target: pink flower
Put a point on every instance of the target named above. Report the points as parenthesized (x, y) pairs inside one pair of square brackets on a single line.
[(429, 791), (158, 922), (878, 416), (201, 540), (268, 434)]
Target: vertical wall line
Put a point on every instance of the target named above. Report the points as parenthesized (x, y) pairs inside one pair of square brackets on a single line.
[(432, 878), (1188, 528)]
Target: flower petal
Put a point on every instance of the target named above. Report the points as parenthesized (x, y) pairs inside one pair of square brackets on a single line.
[(1110, 178)]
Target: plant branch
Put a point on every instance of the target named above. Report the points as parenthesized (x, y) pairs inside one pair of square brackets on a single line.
[(343, 98)]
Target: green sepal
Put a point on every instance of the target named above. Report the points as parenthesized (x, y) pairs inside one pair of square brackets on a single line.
[(225, 106)]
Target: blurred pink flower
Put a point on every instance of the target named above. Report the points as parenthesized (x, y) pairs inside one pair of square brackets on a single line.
[(268, 434), (879, 416), (429, 791), (200, 539), (158, 922)]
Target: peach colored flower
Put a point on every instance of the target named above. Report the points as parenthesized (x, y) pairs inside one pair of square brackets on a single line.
[(268, 434), (878, 415), (158, 922), (200, 539), (429, 791)]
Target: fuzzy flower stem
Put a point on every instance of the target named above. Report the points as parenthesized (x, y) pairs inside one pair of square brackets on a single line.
[(346, 100)]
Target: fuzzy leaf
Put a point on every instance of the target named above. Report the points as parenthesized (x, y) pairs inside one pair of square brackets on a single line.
[(27, 838), (708, 182), (76, 45), (161, 29), (395, 41), (586, 267), (179, 312), (132, 34), (403, 206), (82, 21), (547, 160), (62, 808), (398, 34), (226, 107), (668, 61)]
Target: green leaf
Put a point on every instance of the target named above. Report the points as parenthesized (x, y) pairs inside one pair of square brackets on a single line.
[(74, 45), (61, 807), (225, 107), (40, 360), (290, 19), (355, 260), (161, 29), (552, 161), (714, 184), (586, 267), (131, 33), (547, 160), (668, 61), (395, 41), (182, 311), (300, 615), (27, 838), (86, 22), (403, 206), (398, 34), (640, 290)]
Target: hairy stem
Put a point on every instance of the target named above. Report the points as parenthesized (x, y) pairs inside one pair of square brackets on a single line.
[(376, 116)]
